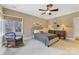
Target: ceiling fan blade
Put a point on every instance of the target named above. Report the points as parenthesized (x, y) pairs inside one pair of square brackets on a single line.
[(41, 10), (43, 13), (54, 10)]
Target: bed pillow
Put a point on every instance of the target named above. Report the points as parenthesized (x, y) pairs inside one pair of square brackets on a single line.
[(36, 31)]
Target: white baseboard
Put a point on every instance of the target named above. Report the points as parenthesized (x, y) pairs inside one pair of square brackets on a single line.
[(28, 37), (70, 38)]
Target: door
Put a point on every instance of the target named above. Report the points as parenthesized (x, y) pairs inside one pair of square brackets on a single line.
[(76, 28)]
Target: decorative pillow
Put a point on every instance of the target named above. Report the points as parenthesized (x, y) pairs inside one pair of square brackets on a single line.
[(45, 30), (36, 31)]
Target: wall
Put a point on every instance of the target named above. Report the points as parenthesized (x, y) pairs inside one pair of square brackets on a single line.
[(28, 20), (67, 20)]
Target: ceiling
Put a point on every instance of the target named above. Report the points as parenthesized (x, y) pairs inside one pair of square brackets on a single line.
[(32, 9)]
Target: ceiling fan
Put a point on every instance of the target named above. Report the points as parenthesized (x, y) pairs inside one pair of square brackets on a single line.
[(49, 9)]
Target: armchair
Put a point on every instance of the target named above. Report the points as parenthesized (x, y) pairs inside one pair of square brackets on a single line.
[(13, 40)]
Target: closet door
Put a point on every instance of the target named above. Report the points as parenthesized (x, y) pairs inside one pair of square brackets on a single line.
[(76, 28)]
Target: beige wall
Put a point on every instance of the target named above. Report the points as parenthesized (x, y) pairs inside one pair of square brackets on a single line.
[(67, 20), (28, 20)]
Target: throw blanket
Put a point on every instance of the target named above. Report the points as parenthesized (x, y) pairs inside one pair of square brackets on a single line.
[(44, 37)]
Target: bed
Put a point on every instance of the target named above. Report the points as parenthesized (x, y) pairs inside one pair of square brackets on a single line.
[(46, 38)]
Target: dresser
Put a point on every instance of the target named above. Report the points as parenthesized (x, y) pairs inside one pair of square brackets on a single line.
[(60, 33)]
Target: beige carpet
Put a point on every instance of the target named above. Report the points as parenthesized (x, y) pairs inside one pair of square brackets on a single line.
[(66, 45), (34, 47)]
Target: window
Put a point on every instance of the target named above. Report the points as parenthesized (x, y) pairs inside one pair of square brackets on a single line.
[(8, 26), (0, 26), (17, 26), (12, 25)]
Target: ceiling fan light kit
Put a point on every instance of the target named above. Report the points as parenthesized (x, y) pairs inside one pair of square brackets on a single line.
[(49, 9)]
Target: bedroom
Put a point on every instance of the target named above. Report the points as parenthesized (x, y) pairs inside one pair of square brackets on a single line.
[(59, 21)]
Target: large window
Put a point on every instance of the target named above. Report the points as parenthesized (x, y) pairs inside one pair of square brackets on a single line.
[(0, 26), (12, 24)]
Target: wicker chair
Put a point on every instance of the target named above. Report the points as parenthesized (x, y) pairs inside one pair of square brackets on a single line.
[(10, 39)]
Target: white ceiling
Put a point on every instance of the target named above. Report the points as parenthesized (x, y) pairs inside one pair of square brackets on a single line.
[(32, 9)]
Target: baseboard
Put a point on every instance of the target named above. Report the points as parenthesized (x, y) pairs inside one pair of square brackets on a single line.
[(29, 37), (70, 38)]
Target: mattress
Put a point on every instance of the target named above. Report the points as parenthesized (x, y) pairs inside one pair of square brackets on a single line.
[(50, 36)]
